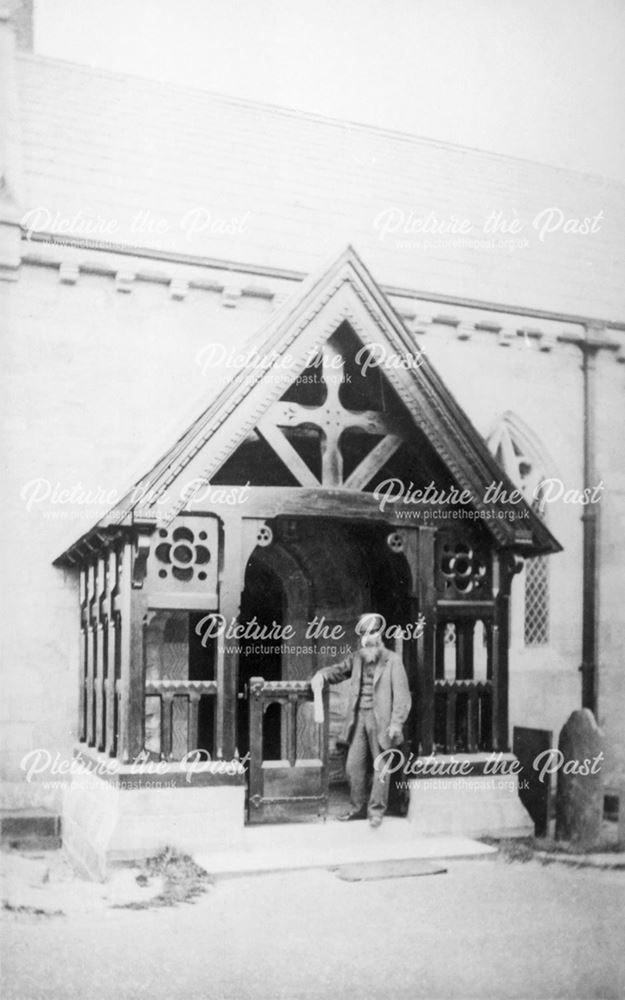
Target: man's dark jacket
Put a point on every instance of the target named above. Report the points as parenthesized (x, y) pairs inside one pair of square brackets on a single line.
[(391, 695)]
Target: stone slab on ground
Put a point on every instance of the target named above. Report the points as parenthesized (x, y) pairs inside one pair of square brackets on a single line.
[(290, 847), (374, 870)]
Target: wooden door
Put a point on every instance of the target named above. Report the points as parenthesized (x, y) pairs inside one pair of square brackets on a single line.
[(290, 788)]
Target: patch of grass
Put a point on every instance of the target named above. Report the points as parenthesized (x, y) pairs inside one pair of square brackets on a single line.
[(526, 848), (183, 880), (31, 911), (601, 846), (512, 849)]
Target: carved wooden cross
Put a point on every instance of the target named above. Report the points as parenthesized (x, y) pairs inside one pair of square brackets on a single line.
[(332, 418)]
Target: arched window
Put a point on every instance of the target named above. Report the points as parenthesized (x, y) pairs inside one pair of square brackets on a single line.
[(523, 458)]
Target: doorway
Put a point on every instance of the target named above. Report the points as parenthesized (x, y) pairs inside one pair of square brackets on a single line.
[(330, 570)]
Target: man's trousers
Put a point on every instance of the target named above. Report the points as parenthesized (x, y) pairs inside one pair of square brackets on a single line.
[(363, 750)]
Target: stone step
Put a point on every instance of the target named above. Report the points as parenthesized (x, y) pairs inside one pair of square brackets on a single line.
[(26, 828), (289, 847)]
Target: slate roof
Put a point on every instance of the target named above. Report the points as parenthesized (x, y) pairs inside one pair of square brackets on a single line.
[(300, 187)]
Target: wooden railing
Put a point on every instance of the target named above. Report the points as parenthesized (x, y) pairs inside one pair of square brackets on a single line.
[(100, 716), (167, 691), (463, 717)]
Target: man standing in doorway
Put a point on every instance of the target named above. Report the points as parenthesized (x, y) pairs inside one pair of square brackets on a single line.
[(379, 702)]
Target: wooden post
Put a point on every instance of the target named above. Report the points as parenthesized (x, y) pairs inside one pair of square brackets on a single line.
[(255, 781), (506, 565), (408, 649), (426, 588), (132, 679), (227, 663), (238, 540)]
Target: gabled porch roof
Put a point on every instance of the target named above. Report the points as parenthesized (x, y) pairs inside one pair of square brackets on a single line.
[(343, 292)]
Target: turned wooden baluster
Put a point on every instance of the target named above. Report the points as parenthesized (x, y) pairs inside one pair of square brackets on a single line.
[(291, 728), (112, 652), (193, 718), (472, 720), (450, 721), (167, 704), (84, 638), (100, 641), (91, 651)]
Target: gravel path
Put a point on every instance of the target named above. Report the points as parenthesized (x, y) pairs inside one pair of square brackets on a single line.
[(485, 929)]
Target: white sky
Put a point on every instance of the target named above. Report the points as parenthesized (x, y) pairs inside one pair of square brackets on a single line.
[(541, 79)]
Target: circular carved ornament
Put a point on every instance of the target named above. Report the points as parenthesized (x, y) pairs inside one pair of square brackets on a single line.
[(264, 536), (395, 542)]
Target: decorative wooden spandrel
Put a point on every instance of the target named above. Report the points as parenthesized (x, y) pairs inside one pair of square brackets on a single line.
[(463, 567), (182, 564)]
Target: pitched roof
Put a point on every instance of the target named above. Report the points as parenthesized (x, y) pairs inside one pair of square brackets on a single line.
[(343, 291), (291, 188)]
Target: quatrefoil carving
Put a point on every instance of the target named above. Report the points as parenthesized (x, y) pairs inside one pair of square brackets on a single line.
[(182, 553)]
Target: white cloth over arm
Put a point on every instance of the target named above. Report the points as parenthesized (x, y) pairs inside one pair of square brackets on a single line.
[(318, 705)]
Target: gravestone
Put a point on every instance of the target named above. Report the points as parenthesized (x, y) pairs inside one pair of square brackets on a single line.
[(579, 803)]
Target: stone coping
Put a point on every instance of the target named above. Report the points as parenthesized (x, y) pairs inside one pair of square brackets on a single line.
[(215, 773), (493, 763), (169, 774)]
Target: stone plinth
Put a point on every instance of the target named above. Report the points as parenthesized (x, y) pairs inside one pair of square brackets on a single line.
[(135, 814), (476, 804)]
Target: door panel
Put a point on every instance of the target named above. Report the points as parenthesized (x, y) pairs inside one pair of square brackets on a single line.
[(292, 788)]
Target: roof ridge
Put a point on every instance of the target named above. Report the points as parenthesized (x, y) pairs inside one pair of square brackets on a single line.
[(313, 116)]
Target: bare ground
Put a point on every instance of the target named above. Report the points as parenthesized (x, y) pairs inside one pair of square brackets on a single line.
[(498, 929)]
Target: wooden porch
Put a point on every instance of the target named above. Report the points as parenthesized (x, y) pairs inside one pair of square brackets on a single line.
[(316, 441)]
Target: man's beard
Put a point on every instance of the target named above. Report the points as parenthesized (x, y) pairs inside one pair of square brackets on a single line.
[(369, 654)]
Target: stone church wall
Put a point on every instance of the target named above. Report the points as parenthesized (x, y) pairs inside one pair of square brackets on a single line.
[(96, 381)]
